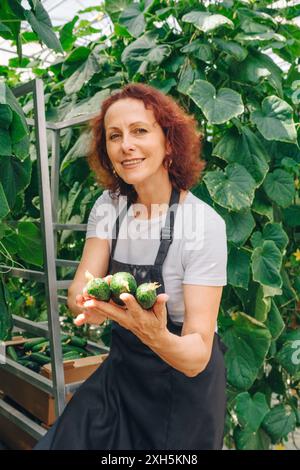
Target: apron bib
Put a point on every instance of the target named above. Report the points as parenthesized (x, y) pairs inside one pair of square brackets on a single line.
[(135, 400)]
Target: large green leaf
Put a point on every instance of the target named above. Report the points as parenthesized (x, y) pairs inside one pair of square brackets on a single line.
[(256, 38), (10, 241), (251, 410), (279, 187), (244, 148), (76, 56), (17, 8), (115, 7), (279, 422), (68, 203), (4, 29), (257, 67), (275, 120), (289, 356), (291, 215), (199, 49), (109, 82), (274, 321), (15, 177), (5, 115), (255, 20), (18, 127), (262, 305), (5, 142), (187, 75), (218, 107), (239, 225), (246, 439), (145, 51), (82, 75), (231, 47), (41, 24), (247, 297), (262, 206), (164, 86), (66, 36), (30, 243), (21, 148), (290, 335), (271, 231), (233, 188), (206, 21), (133, 18), (238, 267), (248, 342), (266, 263), (11, 23), (4, 207), (88, 105), (79, 150)]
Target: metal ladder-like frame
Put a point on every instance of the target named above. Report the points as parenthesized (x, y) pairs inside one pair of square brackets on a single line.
[(49, 227)]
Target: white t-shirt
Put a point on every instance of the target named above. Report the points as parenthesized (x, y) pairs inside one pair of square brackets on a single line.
[(197, 255)]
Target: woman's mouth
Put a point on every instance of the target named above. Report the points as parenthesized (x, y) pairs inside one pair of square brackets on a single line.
[(129, 164)]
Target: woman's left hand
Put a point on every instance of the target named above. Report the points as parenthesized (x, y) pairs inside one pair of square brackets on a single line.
[(147, 325)]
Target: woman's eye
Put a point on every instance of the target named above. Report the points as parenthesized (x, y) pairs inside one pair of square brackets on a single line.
[(139, 130)]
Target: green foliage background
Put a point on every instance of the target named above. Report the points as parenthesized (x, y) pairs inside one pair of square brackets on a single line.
[(213, 58)]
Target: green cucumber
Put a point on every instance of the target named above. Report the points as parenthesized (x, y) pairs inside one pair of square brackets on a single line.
[(39, 358), (71, 355), (122, 282), (146, 294), (99, 289), (30, 364), (80, 351), (40, 346), (79, 342), (30, 344), (64, 337), (11, 352)]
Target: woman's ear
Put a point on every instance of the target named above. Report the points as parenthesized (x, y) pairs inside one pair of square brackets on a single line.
[(168, 148)]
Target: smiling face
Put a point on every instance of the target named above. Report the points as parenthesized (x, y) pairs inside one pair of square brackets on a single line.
[(135, 142)]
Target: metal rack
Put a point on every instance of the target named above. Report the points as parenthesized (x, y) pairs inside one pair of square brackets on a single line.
[(49, 225)]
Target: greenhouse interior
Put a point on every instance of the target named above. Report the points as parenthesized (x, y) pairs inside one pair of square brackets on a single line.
[(150, 225)]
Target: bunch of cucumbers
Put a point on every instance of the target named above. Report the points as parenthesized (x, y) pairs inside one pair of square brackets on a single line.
[(122, 282), (36, 353)]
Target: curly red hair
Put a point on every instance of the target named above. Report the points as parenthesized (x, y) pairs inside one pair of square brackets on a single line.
[(179, 128)]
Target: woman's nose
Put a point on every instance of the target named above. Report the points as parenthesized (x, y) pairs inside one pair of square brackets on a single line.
[(127, 143)]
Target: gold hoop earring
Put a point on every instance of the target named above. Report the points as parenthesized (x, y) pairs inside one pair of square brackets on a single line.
[(170, 163)]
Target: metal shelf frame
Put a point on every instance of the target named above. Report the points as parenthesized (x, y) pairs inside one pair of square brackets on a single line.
[(49, 225)]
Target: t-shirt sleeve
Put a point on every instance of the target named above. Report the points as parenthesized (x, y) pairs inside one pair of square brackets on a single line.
[(205, 259), (101, 218)]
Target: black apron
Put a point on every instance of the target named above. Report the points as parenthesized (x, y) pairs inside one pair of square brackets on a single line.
[(135, 400)]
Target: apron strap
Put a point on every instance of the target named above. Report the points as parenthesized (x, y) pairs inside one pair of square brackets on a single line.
[(117, 226), (166, 235)]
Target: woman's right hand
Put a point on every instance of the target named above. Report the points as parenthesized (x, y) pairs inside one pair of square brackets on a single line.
[(84, 317), (80, 299)]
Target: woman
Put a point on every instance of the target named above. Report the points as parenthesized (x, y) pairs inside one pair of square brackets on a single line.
[(163, 384)]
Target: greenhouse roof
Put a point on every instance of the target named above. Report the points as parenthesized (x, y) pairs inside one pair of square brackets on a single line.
[(60, 12)]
